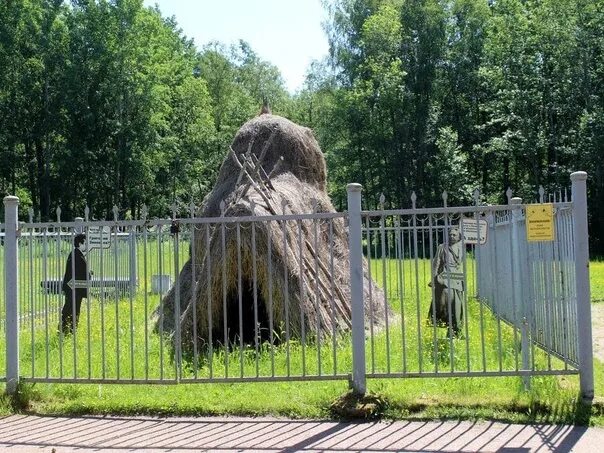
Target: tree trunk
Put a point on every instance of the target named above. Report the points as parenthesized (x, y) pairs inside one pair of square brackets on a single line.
[(43, 180)]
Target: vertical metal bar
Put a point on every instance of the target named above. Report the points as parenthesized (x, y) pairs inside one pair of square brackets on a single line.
[(116, 300), (385, 263), (332, 300), (74, 320), (34, 313), (88, 296), (255, 289), (417, 296), (271, 326), (160, 263), (493, 293), (132, 281), (26, 308), (400, 245), (178, 340), (132, 274), (46, 308), (493, 274), (302, 298), (581, 242), (464, 297), (514, 317), (559, 280), (209, 302), (570, 286), (409, 273), (11, 293), (224, 297), (548, 299), (57, 253), (240, 297), (359, 381), (516, 279), (146, 299), (102, 276), (317, 305), (551, 290), (370, 285), (565, 283), (286, 290), (433, 292), (193, 258), (450, 307)]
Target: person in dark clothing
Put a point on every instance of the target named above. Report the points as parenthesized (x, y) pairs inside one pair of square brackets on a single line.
[(75, 277)]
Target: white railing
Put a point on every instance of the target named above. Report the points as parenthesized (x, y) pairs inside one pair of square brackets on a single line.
[(298, 297)]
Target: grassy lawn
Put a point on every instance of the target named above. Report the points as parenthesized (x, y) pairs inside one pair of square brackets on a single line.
[(596, 280), (142, 353)]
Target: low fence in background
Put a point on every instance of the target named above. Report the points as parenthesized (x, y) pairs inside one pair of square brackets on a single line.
[(298, 297)]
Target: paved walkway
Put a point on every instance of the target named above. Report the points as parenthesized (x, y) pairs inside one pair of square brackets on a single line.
[(597, 328), (26, 433)]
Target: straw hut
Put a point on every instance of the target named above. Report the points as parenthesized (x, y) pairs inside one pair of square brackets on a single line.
[(269, 274)]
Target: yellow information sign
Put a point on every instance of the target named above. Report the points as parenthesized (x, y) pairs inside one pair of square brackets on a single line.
[(540, 222)]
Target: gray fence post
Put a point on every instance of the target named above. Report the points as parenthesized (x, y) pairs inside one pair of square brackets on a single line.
[(581, 243), (11, 293), (359, 380)]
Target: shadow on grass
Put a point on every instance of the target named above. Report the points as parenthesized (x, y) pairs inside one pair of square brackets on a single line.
[(575, 412)]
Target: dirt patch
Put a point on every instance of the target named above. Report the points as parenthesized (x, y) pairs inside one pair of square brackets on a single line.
[(597, 327)]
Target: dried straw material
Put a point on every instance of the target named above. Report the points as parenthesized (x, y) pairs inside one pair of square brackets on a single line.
[(308, 260)]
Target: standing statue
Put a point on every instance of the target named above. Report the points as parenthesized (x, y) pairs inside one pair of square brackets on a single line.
[(447, 308), (75, 273)]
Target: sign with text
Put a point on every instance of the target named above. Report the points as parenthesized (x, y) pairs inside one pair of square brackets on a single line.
[(540, 222), (99, 237), (474, 231), (459, 276), (75, 284)]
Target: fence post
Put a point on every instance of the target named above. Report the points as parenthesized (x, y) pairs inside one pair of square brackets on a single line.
[(11, 293), (581, 245), (359, 380), (519, 303)]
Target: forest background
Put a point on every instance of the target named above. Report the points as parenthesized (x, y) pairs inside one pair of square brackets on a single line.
[(106, 102)]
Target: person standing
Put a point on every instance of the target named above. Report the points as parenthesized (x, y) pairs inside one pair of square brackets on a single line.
[(76, 274), (447, 308)]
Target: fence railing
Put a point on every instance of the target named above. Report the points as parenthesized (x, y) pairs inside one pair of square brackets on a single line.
[(533, 285), (297, 297)]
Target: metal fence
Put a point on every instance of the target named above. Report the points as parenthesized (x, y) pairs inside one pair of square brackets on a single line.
[(532, 286), (298, 297)]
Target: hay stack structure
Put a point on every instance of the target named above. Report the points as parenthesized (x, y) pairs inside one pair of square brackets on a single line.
[(290, 178)]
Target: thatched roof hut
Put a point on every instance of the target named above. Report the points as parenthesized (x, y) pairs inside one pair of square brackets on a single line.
[(300, 269)]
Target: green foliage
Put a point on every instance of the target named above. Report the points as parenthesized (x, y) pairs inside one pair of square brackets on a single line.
[(512, 88), (107, 103)]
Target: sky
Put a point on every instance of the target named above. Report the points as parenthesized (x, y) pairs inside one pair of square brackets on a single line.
[(287, 33)]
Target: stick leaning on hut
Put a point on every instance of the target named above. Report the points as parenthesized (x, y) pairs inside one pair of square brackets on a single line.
[(292, 275)]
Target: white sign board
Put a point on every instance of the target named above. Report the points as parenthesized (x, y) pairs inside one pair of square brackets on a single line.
[(99, 237), (474, 231), (77, 283)]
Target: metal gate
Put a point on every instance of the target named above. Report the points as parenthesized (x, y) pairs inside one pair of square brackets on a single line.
[(270, 302)]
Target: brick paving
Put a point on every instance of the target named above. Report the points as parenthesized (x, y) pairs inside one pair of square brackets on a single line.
[(29, 433)]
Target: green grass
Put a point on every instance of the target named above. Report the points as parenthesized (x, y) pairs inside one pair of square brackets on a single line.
[(551, 399), (596, 280)]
